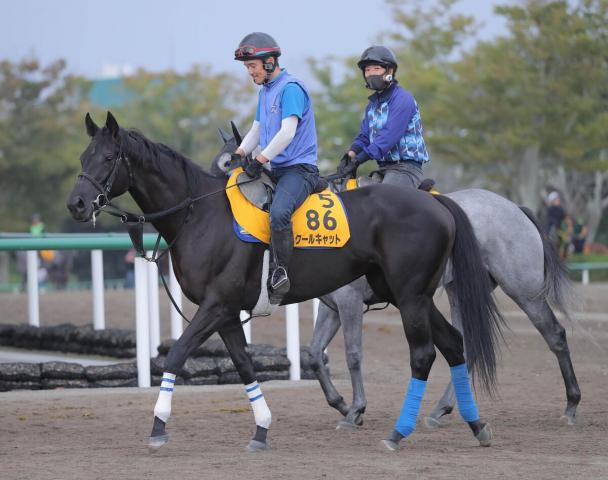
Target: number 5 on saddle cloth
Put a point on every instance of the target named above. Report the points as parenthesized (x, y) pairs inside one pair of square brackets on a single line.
[(320, 222)]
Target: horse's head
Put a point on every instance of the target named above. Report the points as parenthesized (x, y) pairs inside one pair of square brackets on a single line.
[(222, 164), (105, 171)]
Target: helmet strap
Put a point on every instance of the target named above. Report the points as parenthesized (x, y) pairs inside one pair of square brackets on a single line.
[(269, 67)]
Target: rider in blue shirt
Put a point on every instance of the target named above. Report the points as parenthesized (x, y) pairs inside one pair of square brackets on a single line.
[(391, 129), (284, 127)]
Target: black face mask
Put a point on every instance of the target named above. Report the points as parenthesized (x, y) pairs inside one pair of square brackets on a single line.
[(378, 82)]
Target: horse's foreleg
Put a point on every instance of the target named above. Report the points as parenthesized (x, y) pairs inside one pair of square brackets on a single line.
[(449, 342), (328, 323), (235, 342), (204, 323)]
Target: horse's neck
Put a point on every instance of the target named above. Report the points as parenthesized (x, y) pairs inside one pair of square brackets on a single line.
[(155, 191)]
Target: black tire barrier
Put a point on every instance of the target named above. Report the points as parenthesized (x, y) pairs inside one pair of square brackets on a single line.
[(212, 368), (68, 338)]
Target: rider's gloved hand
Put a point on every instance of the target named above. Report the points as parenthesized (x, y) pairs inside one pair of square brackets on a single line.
[(236, 160), (345, 161), (351, 168), (253, 168)]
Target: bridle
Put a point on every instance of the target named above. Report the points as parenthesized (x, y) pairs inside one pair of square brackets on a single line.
[(103, 199), (135, 222)]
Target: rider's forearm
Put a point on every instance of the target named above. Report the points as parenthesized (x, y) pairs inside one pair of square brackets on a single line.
[(252, 139), (283, 137)]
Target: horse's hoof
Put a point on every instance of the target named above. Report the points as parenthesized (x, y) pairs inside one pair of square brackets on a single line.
[(485, 436), (154, 443), (432, 422), (346, 425), (257, 446), (570, 419), (391, 445)]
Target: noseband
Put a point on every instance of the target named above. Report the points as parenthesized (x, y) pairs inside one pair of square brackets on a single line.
[(103, 199)]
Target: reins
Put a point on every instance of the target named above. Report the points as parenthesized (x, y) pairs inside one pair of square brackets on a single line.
[(135, 222)]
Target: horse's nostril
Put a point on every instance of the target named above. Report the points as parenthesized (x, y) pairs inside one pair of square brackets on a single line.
[(77, 205)]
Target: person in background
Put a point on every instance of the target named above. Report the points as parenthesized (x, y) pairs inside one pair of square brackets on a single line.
[(579, 235), (555, 215), (130, 273), (37, 226), (565, 237)]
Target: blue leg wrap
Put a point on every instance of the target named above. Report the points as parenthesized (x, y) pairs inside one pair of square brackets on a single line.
[(464, 394), (406, 423)]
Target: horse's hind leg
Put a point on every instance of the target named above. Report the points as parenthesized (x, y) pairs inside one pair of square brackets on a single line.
[(234, 339), (449, 342), (350, 308), (208, 318), (415, 315), (328, 324), (544, 320), (447, 402)]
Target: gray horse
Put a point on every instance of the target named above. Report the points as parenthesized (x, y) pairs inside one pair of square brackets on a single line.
[(518, 257)]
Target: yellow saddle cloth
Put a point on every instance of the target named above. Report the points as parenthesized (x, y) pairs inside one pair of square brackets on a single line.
[(320, 222)]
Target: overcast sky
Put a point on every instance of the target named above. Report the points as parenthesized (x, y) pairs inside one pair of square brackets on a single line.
[(94, 37)]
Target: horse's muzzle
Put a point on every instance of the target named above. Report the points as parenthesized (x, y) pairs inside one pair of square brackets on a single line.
[(79, 209)]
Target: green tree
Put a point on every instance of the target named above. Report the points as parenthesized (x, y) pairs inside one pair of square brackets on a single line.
[(530, 108), (184, 111), (38, 107)]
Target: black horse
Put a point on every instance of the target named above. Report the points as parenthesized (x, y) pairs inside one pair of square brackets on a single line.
[(400, 240)]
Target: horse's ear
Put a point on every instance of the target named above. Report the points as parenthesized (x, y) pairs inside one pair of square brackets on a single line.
[(112, 125), (237, 135), (92, 128), (224, 135)]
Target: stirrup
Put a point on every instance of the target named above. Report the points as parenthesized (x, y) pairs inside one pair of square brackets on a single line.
[(279, 281)]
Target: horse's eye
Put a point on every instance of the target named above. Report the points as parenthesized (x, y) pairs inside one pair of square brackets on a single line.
[(109, 157)]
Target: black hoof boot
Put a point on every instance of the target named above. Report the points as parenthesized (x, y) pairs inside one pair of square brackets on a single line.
[(159, 436), (258, 443)]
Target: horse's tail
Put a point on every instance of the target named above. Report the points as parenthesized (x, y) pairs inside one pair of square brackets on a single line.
[(557, 287), (481, 320)]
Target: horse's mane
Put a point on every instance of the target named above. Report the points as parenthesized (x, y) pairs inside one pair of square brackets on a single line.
[(162, 156)]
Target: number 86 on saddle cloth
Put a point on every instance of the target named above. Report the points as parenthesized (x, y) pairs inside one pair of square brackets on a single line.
[(320, 222)]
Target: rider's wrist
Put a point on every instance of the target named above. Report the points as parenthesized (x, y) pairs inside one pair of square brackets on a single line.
[(362, 157)]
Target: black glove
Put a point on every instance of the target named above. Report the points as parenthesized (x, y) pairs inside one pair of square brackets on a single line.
[(345, 161), (253, 168), (351, 168), (236, 160)]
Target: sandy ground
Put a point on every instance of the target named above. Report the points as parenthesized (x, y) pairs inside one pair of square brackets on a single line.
[(102, 434)]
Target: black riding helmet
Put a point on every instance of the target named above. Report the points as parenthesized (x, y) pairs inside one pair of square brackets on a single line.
[(378, 55), (258, 45)]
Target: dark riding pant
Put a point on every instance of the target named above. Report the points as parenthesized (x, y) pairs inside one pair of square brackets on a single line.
[(402, 174), (294, 184)]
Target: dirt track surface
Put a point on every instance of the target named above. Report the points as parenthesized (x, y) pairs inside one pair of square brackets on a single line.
[(102, 434)]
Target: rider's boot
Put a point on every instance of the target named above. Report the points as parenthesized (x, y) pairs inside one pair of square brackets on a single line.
[(281, 246)]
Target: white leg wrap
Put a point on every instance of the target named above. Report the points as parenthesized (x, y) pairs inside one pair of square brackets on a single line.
[(261, 412), (162, 409)]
